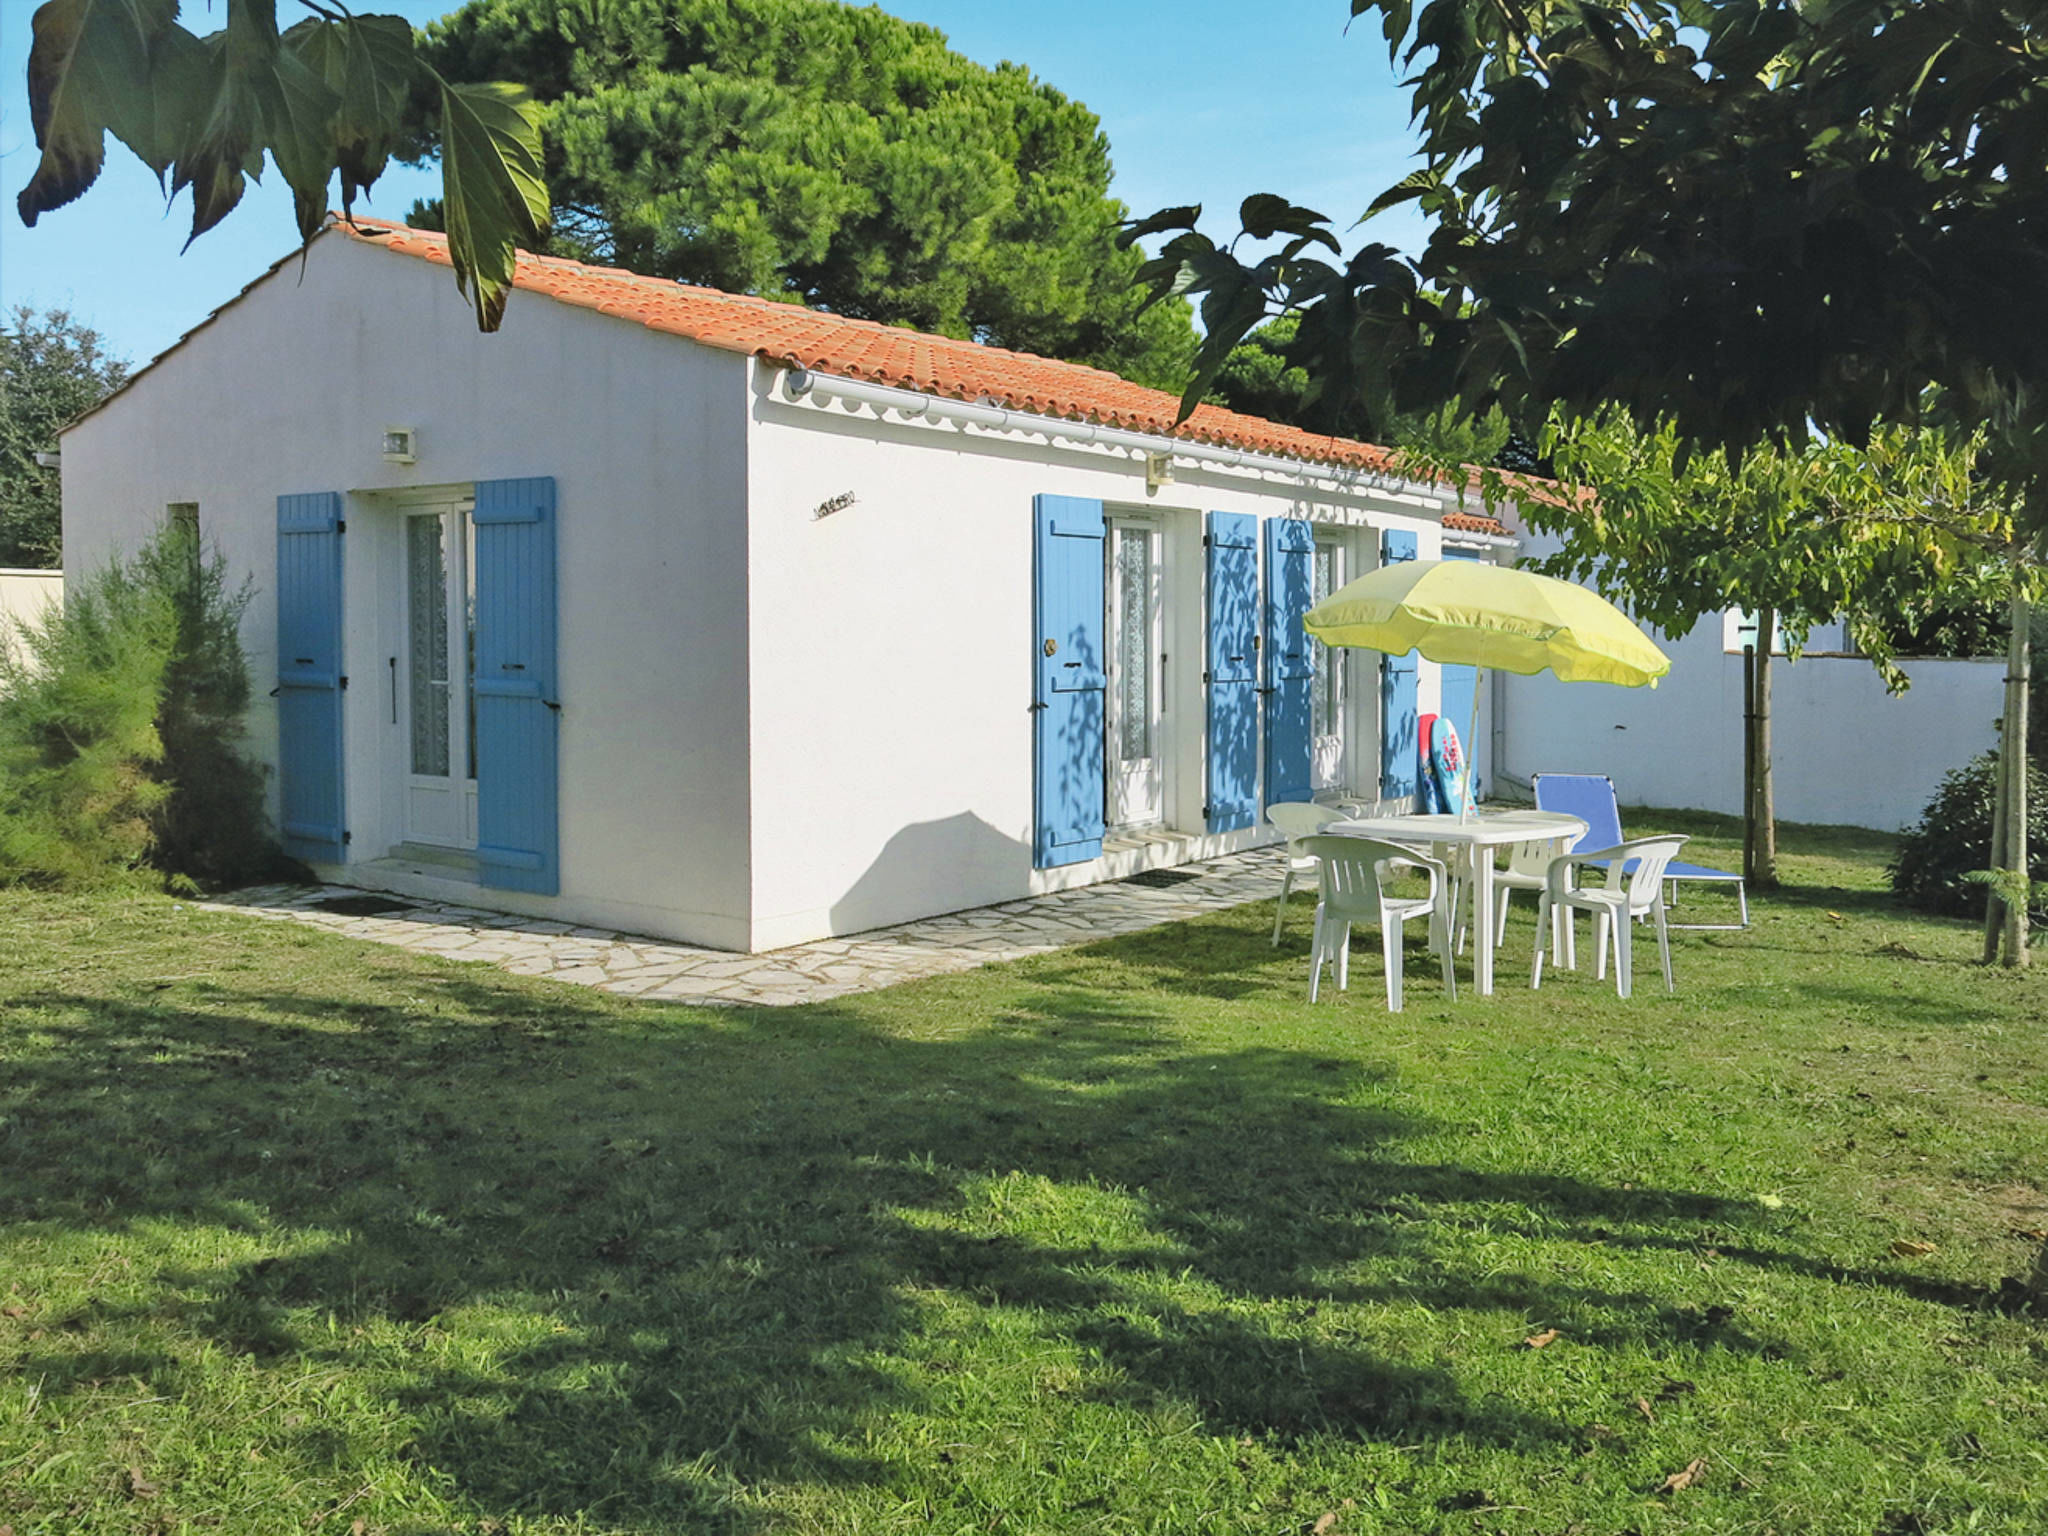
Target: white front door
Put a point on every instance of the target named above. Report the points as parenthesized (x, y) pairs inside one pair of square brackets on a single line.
[(1327, 713), (440, 644), (1136, 599)]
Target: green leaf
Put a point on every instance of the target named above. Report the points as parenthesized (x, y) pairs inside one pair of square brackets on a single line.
[(1264, 215), (298, 117), (1234, 306), (492, 187), (221, 151), (369, 63), (1415, 184), (257, 95), (1135, 230), (89, 71)]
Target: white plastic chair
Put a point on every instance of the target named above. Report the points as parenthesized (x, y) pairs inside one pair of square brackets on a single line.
[(1625, 897), (1353, 880), (1527, 868), (1298, 819)]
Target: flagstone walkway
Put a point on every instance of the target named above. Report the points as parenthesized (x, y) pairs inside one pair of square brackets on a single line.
[(805, 973)]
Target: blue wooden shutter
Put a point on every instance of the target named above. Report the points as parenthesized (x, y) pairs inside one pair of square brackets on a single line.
[(1290, 668), (1070, 680), (1457, 687), (516, 780), (1232, 673), (309, 676), (1398, 695)]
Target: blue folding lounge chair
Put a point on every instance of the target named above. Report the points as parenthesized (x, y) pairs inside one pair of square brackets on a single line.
[(1591, 798)]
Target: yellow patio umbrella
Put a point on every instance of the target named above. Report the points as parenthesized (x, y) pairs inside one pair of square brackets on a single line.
[(1475, 614)]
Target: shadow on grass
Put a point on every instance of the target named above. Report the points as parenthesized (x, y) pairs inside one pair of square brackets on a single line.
[(712, 1246)]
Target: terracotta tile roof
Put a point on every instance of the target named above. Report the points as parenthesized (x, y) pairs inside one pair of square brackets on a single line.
[(885, 354), (1472, 522)]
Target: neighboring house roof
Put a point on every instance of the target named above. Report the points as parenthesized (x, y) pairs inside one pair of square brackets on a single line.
[(797, 337)]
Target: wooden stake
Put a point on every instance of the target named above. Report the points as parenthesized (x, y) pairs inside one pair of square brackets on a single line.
[(1749, 761)]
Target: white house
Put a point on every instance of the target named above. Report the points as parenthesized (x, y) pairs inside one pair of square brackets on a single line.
[(719, 619)]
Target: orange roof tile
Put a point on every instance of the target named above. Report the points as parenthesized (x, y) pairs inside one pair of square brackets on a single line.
[(885, 354)]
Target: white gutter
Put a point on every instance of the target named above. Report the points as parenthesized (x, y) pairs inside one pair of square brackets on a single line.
[(822, 387), (1461, 538)]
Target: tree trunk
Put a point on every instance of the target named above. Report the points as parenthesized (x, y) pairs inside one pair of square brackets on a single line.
[(2017, 663), (1762, 867), (1994, 905)]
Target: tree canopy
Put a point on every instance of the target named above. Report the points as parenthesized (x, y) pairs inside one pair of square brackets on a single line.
[(51, 368), (837, 156), (1882, 536), (1752, 217)]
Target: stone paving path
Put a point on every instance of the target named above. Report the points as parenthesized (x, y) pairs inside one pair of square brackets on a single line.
[(804, 973)]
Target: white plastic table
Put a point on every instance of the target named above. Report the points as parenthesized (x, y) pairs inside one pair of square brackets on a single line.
[(1479, 839)]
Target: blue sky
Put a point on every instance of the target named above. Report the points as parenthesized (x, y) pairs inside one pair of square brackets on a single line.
[(1203, 101)]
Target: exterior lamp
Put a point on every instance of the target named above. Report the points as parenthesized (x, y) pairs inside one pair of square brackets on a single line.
[(401, 445)]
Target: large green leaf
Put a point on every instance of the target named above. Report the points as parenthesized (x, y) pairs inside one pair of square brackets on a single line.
[(332, 94), (1264, 215), (369, 64), (494, 195), (220, 149), (251, 94), (89, 71), (1135, 230)]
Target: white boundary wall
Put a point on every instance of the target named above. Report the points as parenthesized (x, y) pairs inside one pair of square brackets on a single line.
[(25, 594), (1843, 750)]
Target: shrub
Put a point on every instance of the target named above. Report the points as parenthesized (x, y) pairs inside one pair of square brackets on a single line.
[(1953, 837), (120, 719), (210, 827), (79, 693)]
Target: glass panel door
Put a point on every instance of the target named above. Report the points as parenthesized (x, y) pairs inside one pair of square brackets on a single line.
[(440, 602), (426, 590), (1327, 692), (1135, 592)]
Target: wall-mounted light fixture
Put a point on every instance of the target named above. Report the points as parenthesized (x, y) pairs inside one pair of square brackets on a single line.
[(832, 504), (401, 445), (1158, 470)]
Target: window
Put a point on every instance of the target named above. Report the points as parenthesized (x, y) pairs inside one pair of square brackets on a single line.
[(181, 521)]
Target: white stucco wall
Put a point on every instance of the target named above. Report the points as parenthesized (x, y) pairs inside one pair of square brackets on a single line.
[(289, 390), (1843, 751), (24, 595), (890, 656)]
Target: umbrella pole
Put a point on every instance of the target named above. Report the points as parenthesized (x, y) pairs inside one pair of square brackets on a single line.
[(1469, 810)]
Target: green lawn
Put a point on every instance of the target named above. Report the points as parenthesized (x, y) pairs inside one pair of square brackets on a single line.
[(303, 1235)]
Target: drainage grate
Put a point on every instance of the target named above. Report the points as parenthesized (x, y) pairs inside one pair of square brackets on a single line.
[(361, 906), (1163, 877)]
